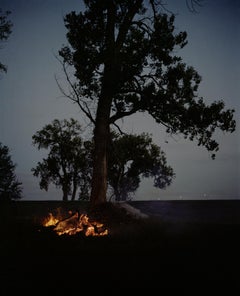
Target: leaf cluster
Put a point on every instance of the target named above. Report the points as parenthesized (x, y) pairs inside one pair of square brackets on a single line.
[(10, 187)]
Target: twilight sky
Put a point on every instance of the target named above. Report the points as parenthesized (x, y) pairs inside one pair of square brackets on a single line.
[(30, 97)]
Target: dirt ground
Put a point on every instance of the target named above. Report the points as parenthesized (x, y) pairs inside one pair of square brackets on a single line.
[(153, 254)]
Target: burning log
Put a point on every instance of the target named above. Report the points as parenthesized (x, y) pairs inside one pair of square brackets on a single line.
[(74, 224), (68, 226)]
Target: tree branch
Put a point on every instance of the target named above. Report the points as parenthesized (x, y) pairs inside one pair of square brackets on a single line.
[(120, 115), (119, 129), (74, 96)]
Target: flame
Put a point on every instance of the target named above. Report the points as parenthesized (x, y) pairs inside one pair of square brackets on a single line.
[(74, 224), (50, 220)]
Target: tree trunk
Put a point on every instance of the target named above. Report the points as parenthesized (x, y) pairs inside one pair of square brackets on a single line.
[(101, 139), (74, 191), (102, 129), (65, 190), (65, 195), (99, 178)]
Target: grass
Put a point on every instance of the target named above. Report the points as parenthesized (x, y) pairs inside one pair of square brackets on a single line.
[(138, 254)]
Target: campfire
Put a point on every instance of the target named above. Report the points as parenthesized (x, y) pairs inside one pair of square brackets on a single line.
[(73, 224)]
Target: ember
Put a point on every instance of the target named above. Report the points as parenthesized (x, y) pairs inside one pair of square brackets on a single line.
[(74, 224)]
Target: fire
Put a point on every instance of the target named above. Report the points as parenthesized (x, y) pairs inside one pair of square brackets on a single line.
[(74, 224), (50, 221)]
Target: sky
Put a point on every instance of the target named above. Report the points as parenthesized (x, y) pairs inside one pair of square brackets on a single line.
[(30, 97)]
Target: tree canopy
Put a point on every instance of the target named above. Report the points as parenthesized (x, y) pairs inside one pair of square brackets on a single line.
[(10, 187), (66, 164), (133, 157), (124, 58)]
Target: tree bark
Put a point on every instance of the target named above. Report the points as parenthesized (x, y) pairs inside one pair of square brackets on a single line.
[(99, 178), (102, 129), (101, 137), (74, 191), (74, 184), (101, 140), (65, 194)]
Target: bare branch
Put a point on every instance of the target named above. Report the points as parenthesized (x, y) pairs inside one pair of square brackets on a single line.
[(119, 129), (192, 4), (74, 95)]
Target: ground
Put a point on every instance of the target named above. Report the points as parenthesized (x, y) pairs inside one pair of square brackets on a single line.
[(150, 254)]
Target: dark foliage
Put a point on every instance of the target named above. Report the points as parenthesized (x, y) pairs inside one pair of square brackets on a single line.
[(132, 158), (69, 161), (10, 187), (67, 165), (124, 57)]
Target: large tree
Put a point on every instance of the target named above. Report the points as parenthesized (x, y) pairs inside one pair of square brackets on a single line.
[(65, 165), (5, 31), (124, 58), (10, 187)]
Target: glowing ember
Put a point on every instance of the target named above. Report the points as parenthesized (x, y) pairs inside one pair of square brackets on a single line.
[(74, 224), (50, 221)]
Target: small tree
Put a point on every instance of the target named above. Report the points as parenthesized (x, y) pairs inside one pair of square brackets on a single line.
[(10, 187), (66, 162), (133, 157), (5, 31)]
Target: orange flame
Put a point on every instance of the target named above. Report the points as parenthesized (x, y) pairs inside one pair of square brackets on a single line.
[(74, 224), (50, 220)]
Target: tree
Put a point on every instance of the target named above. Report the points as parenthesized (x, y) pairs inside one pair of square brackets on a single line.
[(66, 163), (5, 31), (123, 54), (10, 187), (132, 157)]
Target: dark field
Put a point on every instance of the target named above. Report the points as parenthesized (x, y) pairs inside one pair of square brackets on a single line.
[(182, 247)]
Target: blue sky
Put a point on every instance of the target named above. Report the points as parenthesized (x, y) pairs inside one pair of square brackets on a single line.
[(30, 97)]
